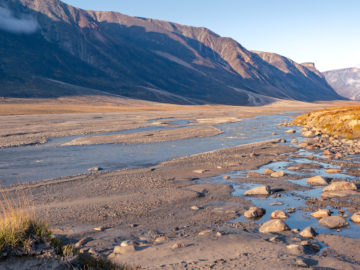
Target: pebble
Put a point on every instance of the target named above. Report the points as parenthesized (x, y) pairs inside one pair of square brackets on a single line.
[(205, 232), (254, 212), (279, 214), (226, 177), (94, 169), (194, 207), (308, 232), (100, 229), (262, 190), (291, 131), (291, 210), (277, 174), (332, 171)]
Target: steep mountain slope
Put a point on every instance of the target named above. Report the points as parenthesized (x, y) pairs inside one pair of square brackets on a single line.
[(346, 82), (141, 58)]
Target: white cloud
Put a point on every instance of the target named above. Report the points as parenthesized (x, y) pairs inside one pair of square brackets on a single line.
[(24, 24)]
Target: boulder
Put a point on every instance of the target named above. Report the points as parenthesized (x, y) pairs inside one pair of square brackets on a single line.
[(277, 174), (263, 190), (340, 186), (279, 214), (333, 222), (317, 181), (355, 217), (321, 213), (254, 212), (308, 232), (274, 226)]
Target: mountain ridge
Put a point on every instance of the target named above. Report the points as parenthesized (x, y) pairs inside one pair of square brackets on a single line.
[(127, 55)]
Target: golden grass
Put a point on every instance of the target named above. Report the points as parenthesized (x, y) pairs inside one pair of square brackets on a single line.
[(19, 229), (342, 121)]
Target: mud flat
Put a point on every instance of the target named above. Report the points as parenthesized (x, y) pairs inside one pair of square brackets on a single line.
[(149, 136), (167, 211)]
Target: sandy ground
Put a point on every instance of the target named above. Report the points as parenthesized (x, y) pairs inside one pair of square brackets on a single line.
[(153, 206), (149, 136)]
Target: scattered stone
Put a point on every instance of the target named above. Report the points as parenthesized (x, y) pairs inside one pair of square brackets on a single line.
[(199, 171), (279, 214), (277, 174), (263, 190), (83, 241), (317, 181), (205, 232), (340, 186), (308, 232), (95, 169), (333, 222), (177, 245), (268, 171), (160, 239), (332, 171), (194, 207), (100, 229), (355, 217), (308, 134), (295, 249), (226, 177), (254, 212), (254, 174), (124, 249), (274, 226), (301, 263), (291, 210), (291, 131), (321, 213)]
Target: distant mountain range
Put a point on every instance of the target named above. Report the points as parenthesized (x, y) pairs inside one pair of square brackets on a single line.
[(50, 49), (346, 82)]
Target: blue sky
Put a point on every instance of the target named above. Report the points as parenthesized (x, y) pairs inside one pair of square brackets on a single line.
[(326, 32)]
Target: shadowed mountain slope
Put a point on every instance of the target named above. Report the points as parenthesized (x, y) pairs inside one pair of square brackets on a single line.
[(142, 58)]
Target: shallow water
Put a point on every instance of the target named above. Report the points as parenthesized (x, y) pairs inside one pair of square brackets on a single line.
[(51, 160)]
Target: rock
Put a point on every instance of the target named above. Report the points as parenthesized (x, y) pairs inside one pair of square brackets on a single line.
[(218, 234), (194, 207), (177, 245), (95, 169), (277, 174), (226, 177), (124, 249), (301, 263), (291, 210), (308, 134), (355, 217), (308, 232), (263, 190), (332, 171), (205, 232), (276, 203), (199, 171), (279, 214), (274, 226), (253, 155), (338, 193), (83, 241), (321, 213), (333, 222), (160, 239), (295, 249), (274, 133), (317, 181), (294, 141), (291, 131), (268, 171), (327, 152), (340, 186), (100, 229), (295, 230), (254, 174), (254, 212), (293, 168)]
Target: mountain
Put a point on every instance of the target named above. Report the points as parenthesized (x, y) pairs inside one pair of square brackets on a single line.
[(346, 82), (49, 48)]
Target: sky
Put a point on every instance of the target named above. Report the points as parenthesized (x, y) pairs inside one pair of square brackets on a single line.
[(326, 32)]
